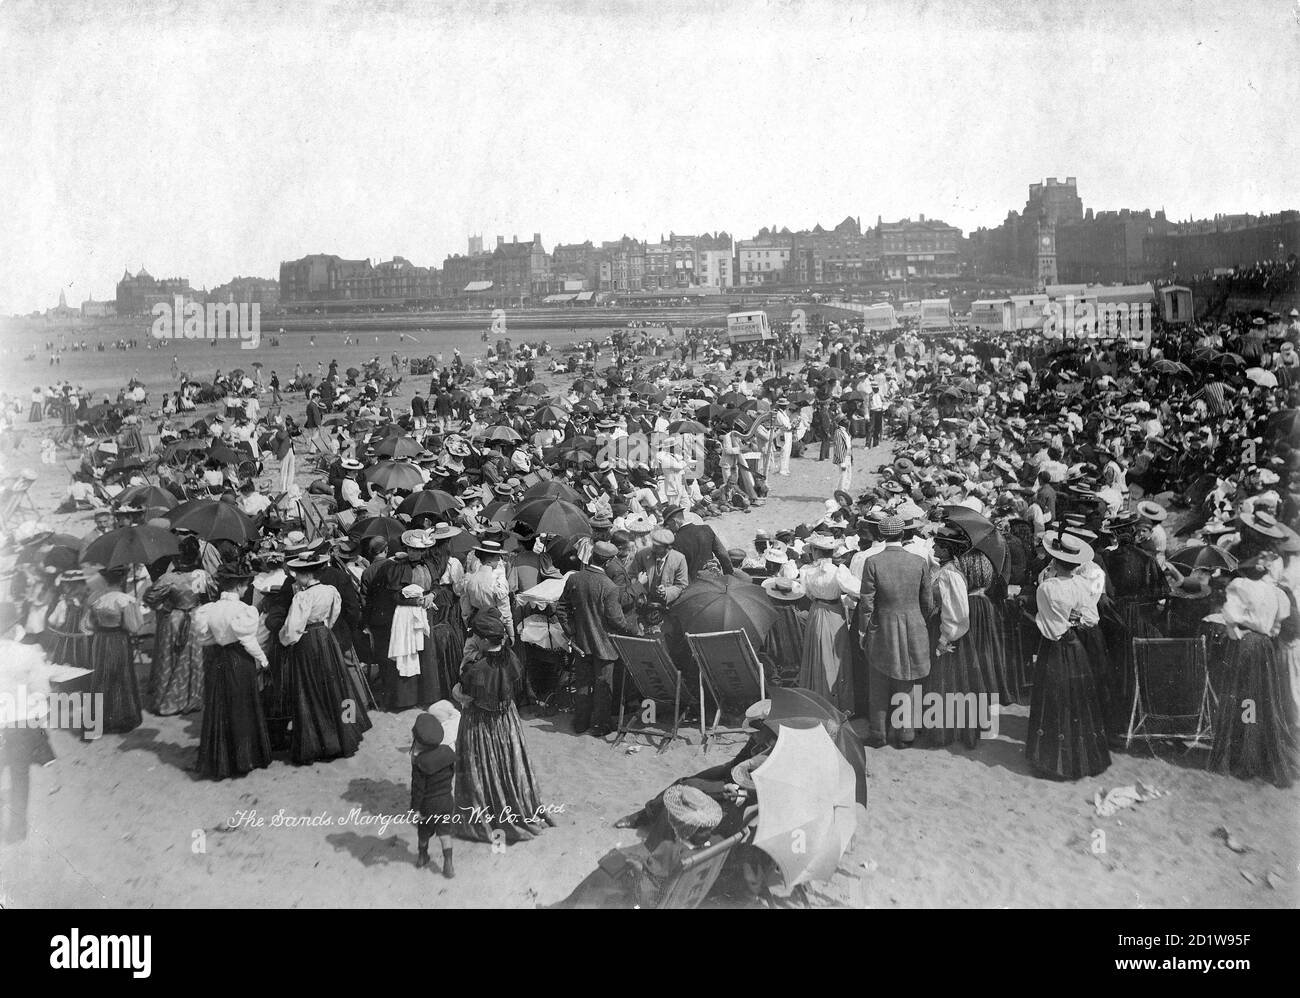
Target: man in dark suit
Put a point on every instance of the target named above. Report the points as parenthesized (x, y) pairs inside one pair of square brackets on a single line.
[(589, 610), (696, 541), (890, 621)]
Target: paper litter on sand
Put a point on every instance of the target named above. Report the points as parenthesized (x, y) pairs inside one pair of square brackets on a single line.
[(1122, 797)]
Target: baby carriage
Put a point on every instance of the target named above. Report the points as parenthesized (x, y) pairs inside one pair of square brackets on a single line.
[(544, 649)]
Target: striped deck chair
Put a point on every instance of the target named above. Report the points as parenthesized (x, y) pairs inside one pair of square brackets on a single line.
[(655, 677), (734, 675)]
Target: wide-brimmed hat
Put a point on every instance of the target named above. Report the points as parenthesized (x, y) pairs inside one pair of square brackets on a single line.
[(1262, 523), (1066, 547), (417, 539), (457, 448), (822, 542), (742, 773), (307, 563), (638, 524), (348, 464), (1152, 511), (691, 810), (489, 547), (785, 590), (442, 532), (775, 555)]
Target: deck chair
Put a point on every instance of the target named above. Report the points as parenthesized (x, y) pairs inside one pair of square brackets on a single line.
[(15, 499), (692, 883), (655, 677), (733, 673), (1172, 697)]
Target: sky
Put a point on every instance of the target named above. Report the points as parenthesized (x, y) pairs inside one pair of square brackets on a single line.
[(214, 140)]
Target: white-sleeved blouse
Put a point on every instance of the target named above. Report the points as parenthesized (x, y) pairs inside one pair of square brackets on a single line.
[(227, 621), (825, 580), (1254, 605), (1062, 601), (317, 603)]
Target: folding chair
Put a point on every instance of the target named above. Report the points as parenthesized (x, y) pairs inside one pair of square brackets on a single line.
[(656, 679), (15, 494), (1172, 696), (730, 667), (692, 883)]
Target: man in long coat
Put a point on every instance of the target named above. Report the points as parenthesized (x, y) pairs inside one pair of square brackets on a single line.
[(896, 600)]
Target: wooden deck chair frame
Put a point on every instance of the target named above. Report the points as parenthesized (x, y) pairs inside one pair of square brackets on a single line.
[(655, 678), (692, 883), (1148, 725), (717, 680)]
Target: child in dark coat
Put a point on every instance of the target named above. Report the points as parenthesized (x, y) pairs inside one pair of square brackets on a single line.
[(433, 765)]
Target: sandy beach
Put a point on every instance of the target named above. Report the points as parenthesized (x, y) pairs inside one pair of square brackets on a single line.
[(123, 821)]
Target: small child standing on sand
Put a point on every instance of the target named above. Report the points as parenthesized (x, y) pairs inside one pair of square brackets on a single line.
[(433, 766)]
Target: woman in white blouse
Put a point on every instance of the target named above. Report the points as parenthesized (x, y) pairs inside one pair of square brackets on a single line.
[(328, 717), (824, 667), (1067, 733), (233, 739), (1254, 734)]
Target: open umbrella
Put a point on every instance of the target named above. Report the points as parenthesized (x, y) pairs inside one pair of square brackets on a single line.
[(853, 396), (802, 708), (136, 545), (181, 449), (398, 446), (806, 809), (214, 520), (553, 488), (429, 502), (149, 497), (983, 535), (549, 515), (552, 415), (223, 454), (505, 433), (380, 526), (724, 603), (687, 426), (1261, 377), (1206, 556), (1230, 360), (394, 475)]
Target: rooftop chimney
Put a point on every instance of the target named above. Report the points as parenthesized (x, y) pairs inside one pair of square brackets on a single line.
[(501, 240)]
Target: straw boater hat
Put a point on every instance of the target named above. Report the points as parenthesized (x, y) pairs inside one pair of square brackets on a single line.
[(348, 464), (418, 539), (1263, 523), (307, 563), (690, 810), (785, 590), (443, 531), (489, 547), (1068, 548), (1152, 511)]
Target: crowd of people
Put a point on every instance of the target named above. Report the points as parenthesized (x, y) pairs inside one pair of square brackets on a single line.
[(1009, 551)]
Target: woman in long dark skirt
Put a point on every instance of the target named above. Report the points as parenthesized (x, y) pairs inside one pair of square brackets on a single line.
[(1253, 732), (496, 793), (783, 646), (233, 739), (328, 717), (983, 586), (446, 625), (955, 676), (1067, 735), (112, 618)]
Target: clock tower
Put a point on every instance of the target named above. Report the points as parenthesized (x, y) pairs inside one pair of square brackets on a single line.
[(1046, 254)]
